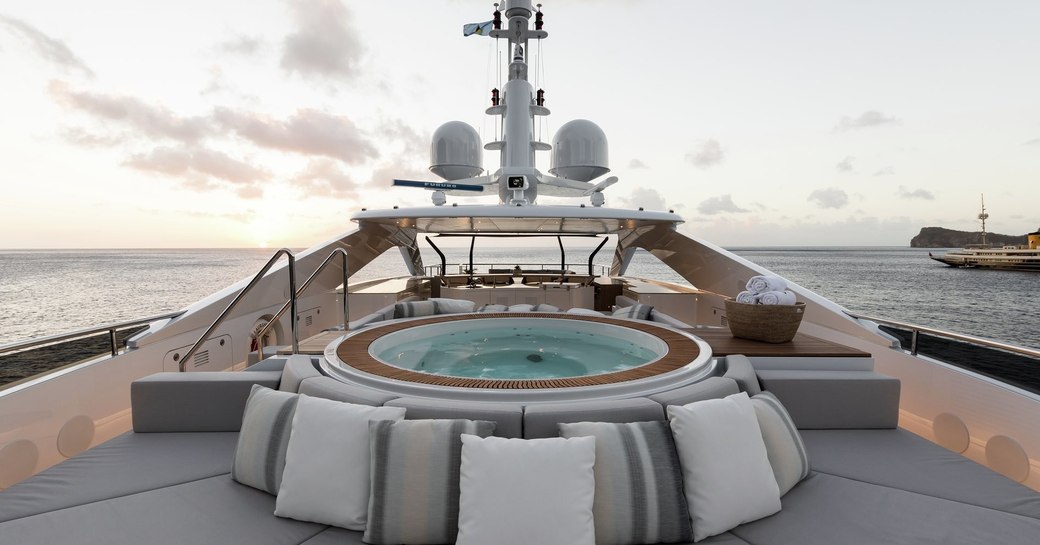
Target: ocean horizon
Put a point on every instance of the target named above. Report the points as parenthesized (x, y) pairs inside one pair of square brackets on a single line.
[(44, 291)]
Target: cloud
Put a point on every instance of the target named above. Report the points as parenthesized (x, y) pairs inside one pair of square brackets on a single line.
[(644, 197), (309, 132), (198, 167), (636, 163), (82, 137), (49, 48), (710, 153), (845, 165), (832, 197), (242, 45), (915, 194), (151, 121), (415, 146), (870, 118), (720, 205), (324, 177), (324, 44), (887, 171)]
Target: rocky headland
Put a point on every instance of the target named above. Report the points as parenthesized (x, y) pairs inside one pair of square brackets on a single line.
[(938, 237)]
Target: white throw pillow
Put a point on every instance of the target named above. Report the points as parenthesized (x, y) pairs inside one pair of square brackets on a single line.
[(452, 306), (517, 491), (327, 467), (726, 471)]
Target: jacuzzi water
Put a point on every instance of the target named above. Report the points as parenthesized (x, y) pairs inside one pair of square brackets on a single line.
[(521, 352)]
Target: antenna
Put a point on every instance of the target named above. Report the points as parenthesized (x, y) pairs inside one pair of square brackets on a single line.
[(983, 217)]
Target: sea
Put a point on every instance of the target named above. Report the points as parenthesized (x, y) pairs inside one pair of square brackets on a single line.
[(47, 292)]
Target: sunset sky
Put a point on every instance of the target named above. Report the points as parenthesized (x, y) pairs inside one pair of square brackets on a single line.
[(244, 123)]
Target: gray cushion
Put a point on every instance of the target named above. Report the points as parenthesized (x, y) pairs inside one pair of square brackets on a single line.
[(900, 459), (637, 311), (836, 399), (127, 464), (542, 420), (298, 368), (335, 536), (398, 473), (709, 388), (274, 363), (738, 368), (508, 417), (260, 454), (787, 453), (330, 388), (826, 509), (639, 494), (189, 402), (212, 510)]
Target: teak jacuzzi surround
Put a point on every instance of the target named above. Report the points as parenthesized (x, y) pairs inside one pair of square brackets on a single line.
[(353, 351)]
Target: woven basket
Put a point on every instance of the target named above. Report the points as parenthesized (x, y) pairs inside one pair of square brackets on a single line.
[(765, 323)]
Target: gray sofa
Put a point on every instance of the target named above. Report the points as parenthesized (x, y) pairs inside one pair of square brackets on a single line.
[(168, 481)]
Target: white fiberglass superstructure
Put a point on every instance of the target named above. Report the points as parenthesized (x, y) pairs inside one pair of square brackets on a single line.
[(50, 417)]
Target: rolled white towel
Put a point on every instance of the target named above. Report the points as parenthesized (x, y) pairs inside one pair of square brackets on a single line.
[(747, 298), (777, 298), (764, 283)]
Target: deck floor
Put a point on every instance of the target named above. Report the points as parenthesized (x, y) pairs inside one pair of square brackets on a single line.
[(720, 340)]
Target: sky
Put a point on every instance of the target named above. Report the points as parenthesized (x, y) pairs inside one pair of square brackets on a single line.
[(249, 124)]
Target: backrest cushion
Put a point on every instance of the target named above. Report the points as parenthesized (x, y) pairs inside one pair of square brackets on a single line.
[(409, 456), (298, 368), (639, 494)]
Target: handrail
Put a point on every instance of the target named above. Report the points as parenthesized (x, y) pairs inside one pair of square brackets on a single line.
[(111, 328), (252, 283), (306, 284), (915, 329)]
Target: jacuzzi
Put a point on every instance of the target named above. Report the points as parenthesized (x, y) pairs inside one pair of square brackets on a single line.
[(513, 356)]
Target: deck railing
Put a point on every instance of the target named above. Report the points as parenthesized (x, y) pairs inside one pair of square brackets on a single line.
[(110, 328), (916, 330), (252, 283)]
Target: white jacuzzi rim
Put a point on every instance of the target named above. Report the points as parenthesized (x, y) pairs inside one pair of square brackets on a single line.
[(641, 338), (702, 367)]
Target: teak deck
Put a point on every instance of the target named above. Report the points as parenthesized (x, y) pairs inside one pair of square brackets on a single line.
[(720, 340)]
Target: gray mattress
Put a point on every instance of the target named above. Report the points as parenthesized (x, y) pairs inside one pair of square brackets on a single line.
[(867, 486)]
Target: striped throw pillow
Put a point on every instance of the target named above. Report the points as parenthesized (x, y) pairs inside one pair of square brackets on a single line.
[(639, 487), (787, 454), (493, 308), (637, 311), (414, 309), (264, 438), (414, 494), (543, 307)]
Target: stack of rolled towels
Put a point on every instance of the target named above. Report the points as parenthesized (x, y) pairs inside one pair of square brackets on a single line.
[(766, 290)]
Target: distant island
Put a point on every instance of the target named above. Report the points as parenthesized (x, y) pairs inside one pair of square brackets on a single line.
[(938, 237)]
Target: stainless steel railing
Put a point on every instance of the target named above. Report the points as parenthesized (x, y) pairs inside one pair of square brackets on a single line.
[(110, 328), (346, 309), (435, 270), (252, 283), (915, 330)]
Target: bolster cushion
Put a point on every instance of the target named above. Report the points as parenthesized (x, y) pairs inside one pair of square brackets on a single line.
[(330, 388), (191, 402), (298, 368), (543, 420), (709, 388), (836, 399)]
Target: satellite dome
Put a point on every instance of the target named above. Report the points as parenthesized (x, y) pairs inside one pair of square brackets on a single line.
[(455, 152), (579, 151)]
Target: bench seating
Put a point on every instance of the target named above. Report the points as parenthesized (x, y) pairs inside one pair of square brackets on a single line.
[(866, 485)]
